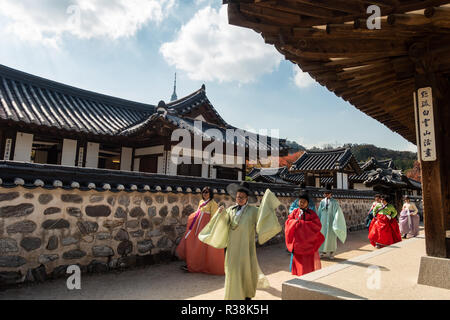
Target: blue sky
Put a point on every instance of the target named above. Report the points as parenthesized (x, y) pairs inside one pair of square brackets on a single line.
[(132, 48)]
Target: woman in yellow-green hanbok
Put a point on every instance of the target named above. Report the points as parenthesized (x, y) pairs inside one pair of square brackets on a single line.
[(235, 229)]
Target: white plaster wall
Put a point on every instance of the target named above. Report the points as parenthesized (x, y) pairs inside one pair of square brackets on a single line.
[(92, 155), (24, 144), (69, 152)]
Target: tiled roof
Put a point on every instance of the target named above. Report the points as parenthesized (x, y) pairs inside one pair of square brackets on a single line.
[(282, 175), (392, 179), (31, 175), (295, 178), (36, 101), (187, 104), (369, 166), (326, 161), (269, 175), (374, 164), (359, 177)]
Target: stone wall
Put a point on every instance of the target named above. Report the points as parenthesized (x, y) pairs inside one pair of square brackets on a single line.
[(44, 231)]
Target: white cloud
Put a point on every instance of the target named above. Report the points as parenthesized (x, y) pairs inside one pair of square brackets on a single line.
[(47, 20), (302, 79), (208, 48)]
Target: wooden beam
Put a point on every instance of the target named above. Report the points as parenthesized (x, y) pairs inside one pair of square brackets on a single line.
[(338, 5), (299, 8), (436, 174)]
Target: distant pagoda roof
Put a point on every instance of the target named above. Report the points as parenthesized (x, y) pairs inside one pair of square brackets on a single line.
[(389, 178), (269, 175), (370, 165), (337, 160), (281, 175)]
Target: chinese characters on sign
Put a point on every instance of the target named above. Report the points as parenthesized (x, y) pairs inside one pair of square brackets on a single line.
[(426, 124), (7, 149)]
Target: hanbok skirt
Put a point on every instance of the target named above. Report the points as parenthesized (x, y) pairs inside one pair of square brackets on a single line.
[(409, 225), (199, 256), (384, 231), (305, 263)]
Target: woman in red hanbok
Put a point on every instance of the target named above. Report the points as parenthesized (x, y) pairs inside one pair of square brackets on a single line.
[(303, 238), (384, 229)]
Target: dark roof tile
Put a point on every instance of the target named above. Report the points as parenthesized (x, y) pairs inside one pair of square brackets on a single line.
[(328, 160)]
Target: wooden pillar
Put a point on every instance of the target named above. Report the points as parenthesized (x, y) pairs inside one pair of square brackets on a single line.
[(92, 152), (436, 174)]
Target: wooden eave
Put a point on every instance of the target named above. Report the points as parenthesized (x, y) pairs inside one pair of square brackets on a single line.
[(373, 70)]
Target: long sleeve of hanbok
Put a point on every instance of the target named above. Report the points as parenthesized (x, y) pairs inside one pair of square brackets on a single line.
[(213, 208), (215, 233), (289, 231), (392, 211), (319, 210), (339, 225), (413, 209), (267, 225)]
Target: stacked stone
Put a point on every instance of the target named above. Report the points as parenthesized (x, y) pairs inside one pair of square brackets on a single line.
[(355, 212), (43, 232)]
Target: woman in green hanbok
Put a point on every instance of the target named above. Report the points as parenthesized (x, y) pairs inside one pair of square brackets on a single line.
[(235, 229), (333, 224)]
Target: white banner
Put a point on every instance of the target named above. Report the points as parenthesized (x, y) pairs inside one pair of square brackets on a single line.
[(426, 124)]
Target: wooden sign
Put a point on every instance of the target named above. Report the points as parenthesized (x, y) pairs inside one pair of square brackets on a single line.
[(425, 121), (8, 146)]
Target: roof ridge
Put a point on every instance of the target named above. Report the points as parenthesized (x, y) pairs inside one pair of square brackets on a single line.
[(174, 104), (328, 151)]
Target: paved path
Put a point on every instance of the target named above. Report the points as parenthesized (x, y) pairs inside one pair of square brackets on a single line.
[(168, 282)]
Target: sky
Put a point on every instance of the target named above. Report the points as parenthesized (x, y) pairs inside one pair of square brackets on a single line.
[(132, 48)]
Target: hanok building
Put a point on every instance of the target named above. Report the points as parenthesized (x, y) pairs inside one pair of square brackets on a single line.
[(321, 168), (46, 122)]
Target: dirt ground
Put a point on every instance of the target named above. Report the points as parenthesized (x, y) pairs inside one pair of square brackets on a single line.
[(169, 282)]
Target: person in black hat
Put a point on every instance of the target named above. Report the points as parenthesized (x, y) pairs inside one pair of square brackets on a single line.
[(235, 229), (303, 238), (311, 204), (333, 223)]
